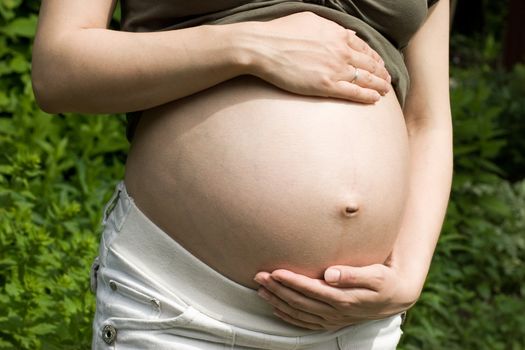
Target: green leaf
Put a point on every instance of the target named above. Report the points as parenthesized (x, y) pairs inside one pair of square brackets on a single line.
[(19, 64), (22, 27), (42, 329), (4, 101)]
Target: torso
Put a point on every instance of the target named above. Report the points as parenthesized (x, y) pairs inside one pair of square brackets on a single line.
[(249, 178)]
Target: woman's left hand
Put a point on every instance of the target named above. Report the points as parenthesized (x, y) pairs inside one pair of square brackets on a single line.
[(346, 296)]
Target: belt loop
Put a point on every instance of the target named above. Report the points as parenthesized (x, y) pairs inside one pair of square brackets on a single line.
[(93, 274), (110, 205)]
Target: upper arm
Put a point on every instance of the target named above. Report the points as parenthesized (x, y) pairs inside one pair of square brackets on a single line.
[(58, 21), (427, 60), (58, 18)]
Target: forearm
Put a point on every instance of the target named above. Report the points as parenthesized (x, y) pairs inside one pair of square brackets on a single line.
[(428, 118), (429, 189), (96, 70)]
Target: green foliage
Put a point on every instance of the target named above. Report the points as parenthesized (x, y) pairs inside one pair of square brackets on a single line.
[(494, 16), (510, 94), (480, 57), (56, 172)]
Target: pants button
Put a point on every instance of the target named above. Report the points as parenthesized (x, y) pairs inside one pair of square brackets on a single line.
[(109, 333)]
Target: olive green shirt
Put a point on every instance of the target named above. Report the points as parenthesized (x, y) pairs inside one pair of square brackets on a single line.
[(386, 25)]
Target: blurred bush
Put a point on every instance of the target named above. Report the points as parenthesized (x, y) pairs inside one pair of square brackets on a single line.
[(57, 171), (479, 57)]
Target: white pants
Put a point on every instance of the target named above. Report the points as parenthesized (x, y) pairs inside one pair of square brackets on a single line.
[(151, 293)]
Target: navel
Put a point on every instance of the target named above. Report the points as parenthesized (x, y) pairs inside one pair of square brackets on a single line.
[(350, 210)]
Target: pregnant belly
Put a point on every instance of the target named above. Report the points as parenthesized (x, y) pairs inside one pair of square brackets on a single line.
[(250, 178)]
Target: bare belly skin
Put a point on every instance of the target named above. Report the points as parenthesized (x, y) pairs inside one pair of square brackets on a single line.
[(249, 177)]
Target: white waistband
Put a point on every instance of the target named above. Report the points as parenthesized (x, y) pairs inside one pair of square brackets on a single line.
[(165, 261)]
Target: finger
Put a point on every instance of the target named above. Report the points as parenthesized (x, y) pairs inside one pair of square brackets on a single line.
[(361, 303), (370, 277), (367, 58), (260, 276), (353, 92), (360, 45), (295, 322), (366, 79), (310, 287), (282, 305), (363, 61), (295, 299)]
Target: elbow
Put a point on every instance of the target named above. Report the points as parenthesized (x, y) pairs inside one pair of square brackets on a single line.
[(48, 79), (48, 82), (44, 85), (56, 90), (44, 96)]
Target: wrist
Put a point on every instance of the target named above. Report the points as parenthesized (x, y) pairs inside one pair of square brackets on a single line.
[(244, 42), (413, 270)]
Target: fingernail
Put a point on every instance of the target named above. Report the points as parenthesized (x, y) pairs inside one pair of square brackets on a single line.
[(332, 275), (258, 279)]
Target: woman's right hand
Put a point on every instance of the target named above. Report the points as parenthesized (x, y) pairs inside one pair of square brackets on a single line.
[(309, 55)]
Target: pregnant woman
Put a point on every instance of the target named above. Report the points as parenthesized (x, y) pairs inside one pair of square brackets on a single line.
[(289, 168)]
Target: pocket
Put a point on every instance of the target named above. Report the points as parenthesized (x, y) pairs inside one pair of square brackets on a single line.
[(191, 329), (135, 294), (140, 333), (131, 314), (127, 300)]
